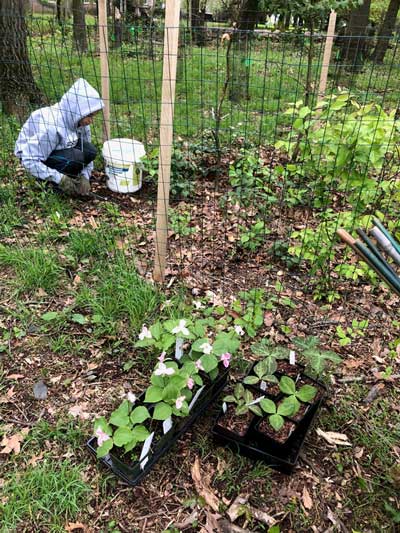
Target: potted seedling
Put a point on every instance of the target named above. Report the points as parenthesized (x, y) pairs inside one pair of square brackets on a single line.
[(262, 375), (315, 359), (278, 358), (189, 374), (239, 409)]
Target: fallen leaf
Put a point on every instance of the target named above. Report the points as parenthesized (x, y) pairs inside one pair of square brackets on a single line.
[(237, 508), (13, 443), (307, 501), (15, 376), (202, 488), (334, 438), (77, 412), (35, 459), (72, 526)]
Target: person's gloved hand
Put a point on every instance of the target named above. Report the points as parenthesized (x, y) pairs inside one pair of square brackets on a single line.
[(69, 186), (83, 186)]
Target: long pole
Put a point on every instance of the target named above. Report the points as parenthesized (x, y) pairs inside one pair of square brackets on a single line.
[(104, 73), (171, 36), (327, 54)]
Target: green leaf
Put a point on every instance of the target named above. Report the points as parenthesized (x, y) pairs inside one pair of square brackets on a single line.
[(241, 410), (251, 380), (288, 407), (225, 342), (79, 319), (140, 433), (170, 392), (276, 421), (162, 411), (139, 415), (287, 385), (306, 393), (229, 399), (196, 346), (268, 406), (153, 394), (256, 410), (122, 436), (49, 316), (209, 362), (104, 448), (103, 425), (120, 417)]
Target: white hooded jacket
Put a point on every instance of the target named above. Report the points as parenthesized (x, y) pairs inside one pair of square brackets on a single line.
[(55, 128)]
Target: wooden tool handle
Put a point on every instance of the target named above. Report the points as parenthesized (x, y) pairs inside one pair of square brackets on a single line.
[(346, 237)]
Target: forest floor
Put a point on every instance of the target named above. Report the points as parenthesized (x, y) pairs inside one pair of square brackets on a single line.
[(61, 266)]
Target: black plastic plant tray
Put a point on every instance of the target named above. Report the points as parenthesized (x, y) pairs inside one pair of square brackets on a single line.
[(280, 457), (133, 474)]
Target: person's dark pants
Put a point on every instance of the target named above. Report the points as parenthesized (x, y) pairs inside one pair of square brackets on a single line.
[(71, 161)]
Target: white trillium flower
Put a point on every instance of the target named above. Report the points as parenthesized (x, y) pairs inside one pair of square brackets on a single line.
[(131, 397), (145, 333), (206, 348), (163, 370), (198, 304), (181, 328), (239, 330)]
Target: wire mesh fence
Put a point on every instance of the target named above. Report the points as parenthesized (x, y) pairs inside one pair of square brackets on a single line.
[(263, 171)]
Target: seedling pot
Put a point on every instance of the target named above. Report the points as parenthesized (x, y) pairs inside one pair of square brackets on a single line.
[(133, 471), (240, 430), (280, 450)]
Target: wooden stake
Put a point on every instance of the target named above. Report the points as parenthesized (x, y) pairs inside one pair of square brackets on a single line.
[(104, 73), (171, 36), (327, 54)]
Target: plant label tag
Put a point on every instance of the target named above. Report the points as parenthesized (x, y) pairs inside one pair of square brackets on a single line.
[(143, 463), (224, 407), (292, 357), (257, 400), (178, 348), (146, 448), (167, 425), (263, 385), (195, 397)]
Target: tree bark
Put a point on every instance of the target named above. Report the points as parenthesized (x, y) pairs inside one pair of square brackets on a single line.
[(79, 27), (354, 44), (241, 41), (18, 89), (197, 22), (386, 31)]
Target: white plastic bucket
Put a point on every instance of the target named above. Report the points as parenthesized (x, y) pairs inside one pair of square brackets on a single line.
[(123, 164)]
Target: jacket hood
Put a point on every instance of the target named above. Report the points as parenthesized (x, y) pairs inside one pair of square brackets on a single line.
[(79, 101)]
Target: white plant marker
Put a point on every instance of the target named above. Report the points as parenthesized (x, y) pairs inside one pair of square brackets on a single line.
[(179, 348), (145, 450), (292, 357), (195, 397)]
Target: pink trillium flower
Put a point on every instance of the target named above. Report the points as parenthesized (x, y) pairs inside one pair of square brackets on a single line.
[(163, 370), (190, 383), (162, 357), (145, 333), (226, 359), (101, 436), (179, 402), (198, 365)]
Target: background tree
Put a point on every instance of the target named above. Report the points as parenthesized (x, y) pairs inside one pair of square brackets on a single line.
[(79, 26), (18, 89), (386, 31), (197, 21), (354, 43)]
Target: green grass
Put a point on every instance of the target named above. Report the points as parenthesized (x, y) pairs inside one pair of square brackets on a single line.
[(10, 214), (33, 268), (96, 243), (43, 498), (120, 296)]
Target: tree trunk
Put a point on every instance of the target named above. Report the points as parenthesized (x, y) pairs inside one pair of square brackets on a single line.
[(197, 22), (386, 31), (18, 89), (240, 61), (79, 31), (354, 44)]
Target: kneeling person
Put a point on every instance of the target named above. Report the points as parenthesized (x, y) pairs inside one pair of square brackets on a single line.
[(54, 143)]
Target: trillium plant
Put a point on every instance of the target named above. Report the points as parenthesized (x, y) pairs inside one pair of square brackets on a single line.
[(188, 353), (243, 400)]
